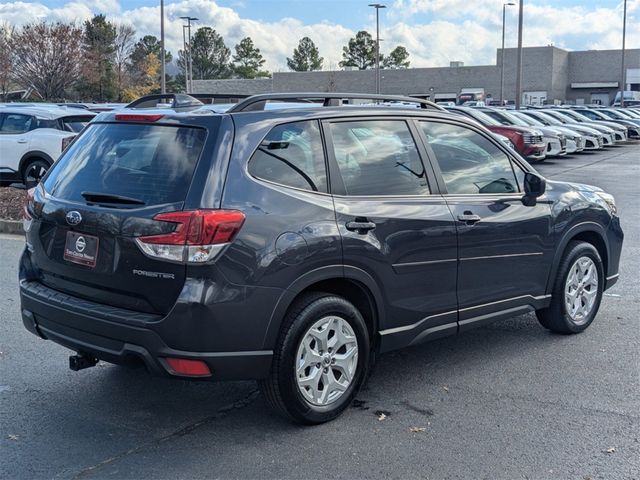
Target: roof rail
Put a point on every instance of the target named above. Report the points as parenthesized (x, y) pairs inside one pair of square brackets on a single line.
[(179, 101), (258, 102), (212, 97)]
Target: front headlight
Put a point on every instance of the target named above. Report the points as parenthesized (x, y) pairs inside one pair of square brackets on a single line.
[(608, 201)]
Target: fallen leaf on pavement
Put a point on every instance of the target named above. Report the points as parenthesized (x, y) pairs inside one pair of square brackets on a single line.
[(13, 437), (611, 450), (381, 417), (445, 388), (417, 429)]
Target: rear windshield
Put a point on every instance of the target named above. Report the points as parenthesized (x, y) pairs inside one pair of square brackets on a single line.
[(151, 163)]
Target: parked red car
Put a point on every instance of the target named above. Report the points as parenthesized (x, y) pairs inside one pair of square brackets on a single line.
[(528, 142)]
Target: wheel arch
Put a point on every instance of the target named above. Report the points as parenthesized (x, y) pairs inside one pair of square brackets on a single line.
[(32, 155), (352, 283), (589, 232)]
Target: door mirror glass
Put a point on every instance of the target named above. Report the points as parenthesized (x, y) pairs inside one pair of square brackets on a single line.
[(534, 187)]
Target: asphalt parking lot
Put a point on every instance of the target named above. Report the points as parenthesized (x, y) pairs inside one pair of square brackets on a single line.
[(507, 401)]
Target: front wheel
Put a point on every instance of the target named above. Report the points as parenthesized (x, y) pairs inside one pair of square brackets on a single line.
[(320, 361), (577, 290)]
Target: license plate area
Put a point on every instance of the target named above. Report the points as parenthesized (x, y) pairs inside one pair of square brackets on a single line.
[(81, 249)]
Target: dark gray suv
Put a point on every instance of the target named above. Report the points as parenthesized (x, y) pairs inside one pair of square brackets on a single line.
[(292, 245)]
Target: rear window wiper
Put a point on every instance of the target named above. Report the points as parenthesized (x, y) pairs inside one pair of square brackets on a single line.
[(96, 197)]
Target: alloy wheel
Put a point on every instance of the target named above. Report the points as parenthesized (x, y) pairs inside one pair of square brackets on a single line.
[(326, 360)]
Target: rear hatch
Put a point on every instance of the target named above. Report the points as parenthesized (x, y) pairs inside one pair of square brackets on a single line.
[(101, 194)]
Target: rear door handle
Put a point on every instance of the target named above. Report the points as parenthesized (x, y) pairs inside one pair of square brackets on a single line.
[(360, 226), (22, 140), (469, 218)]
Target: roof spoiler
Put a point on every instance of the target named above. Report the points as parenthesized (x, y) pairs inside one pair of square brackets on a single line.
[(176, 101)]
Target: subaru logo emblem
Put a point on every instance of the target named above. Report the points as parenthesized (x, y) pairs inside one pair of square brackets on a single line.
[(73, 217)]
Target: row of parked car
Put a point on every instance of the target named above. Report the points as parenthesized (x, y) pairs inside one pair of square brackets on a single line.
[(537, 133), (32, 136)]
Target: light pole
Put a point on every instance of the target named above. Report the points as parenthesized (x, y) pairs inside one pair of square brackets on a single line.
[(186, 59), (624, 33), (189, 59), (519, 65), (377, 6), (163, 85), (504, 10)]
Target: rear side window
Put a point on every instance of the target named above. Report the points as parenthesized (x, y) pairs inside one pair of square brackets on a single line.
[(378, 157), (292, 155), (151, 163), (16, 123), (469, 162), (75, 124)]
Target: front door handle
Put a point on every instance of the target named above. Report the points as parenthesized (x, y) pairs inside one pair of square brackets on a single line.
[(469, 218), (360, 225)]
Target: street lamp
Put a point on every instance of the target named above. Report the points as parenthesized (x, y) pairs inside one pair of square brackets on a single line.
[(624, 33), (163, 86), (519, 65), (189, 66), (504, 9), (377, 6)]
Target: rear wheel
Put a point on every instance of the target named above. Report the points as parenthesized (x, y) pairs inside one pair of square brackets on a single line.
[(577, 290), (320, 361), (33, 171)]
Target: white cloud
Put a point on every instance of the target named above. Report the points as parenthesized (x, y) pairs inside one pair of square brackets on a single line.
[(434, 31)]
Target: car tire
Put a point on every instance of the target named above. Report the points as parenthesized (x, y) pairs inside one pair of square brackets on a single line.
[(33, 171), (306, 383), (577, 290)]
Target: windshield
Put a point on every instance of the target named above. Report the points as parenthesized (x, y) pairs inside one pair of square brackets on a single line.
[(483, 117), (150, 163), (576, 116), (530, 121), (547, 118), (612, 114)]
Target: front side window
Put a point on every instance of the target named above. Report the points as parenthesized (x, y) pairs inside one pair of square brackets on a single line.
[(292, 155), (378, 157), (16, 123), (469, 162)]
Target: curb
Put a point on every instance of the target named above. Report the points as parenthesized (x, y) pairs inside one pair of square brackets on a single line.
[(11, 226)]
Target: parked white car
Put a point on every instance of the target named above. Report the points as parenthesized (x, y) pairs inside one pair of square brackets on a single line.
[(33, 137)]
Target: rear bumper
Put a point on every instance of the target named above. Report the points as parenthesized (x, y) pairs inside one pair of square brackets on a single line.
[(123, 337)]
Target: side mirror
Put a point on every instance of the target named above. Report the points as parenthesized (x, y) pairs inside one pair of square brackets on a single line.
[(534, 187)]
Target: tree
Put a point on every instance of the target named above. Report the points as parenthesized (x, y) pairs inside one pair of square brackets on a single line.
[(397, 58), (147, 77), (306, 57), (98, 77), (146, 45), (248, 60), (125, 35), (46, 57), (140, 59), (359, 52), (6, 59), (210, 56)]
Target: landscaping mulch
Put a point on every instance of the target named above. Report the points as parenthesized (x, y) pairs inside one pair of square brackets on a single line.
[(11, 200)]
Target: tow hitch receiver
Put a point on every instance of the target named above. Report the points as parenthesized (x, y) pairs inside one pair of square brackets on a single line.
[(81, 361)]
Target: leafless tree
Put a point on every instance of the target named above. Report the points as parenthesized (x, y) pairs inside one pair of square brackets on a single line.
[(125, 40), (46, 57), (6, 60)]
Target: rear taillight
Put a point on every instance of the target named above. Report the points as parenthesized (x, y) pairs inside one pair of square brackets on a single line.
[(198, 237), (27, 219), (66, 141)]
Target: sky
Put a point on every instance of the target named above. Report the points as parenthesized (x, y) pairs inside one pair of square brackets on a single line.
[(434, 32)]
